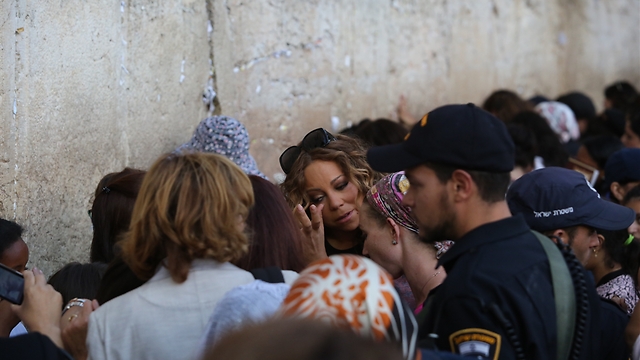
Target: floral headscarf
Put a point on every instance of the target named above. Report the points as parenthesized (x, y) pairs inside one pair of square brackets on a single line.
[(386, 198), (353, 292)]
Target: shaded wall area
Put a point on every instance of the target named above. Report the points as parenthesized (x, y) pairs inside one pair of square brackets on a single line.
[(89, 88)]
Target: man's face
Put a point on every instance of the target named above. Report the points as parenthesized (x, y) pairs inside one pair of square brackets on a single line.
[(583, 239), (430, 205)]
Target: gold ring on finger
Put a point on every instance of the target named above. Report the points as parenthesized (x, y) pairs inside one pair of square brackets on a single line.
[(72, 317)]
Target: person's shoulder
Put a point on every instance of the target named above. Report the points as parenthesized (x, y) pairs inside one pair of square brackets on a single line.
[(119, 304), (289, 276)]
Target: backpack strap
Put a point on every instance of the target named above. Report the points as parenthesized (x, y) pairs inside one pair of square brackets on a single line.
[(564, 295), (270, 274)]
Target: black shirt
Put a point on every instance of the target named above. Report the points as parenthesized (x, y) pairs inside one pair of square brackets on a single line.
[(32, 346), (356, 250), (498, 296)]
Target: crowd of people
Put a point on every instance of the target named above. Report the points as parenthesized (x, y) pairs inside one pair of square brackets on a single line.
[(507, 231)]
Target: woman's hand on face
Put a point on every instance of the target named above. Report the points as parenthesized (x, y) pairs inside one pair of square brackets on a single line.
[(74, 326), (313, 230), (41, 307)]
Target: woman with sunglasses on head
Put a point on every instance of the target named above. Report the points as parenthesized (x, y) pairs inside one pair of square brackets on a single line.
[(327, 179)]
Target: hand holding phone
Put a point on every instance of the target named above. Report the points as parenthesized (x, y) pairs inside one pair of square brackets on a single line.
[(11, 285), (41, 306)]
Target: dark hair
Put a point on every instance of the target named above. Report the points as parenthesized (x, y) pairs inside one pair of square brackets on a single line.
[(505, 104), (351, 130), (570, 230), (10, 232), (77, 280), (613, 121), (633, 116), (601, 147), (632, 194), (537, 99), (525, 143), (118, 279), (581, 105), (293, 339), (619, 253), (621, 94), (379, 132), (275, 238), (111, 211), (492, 187), (548, 144)]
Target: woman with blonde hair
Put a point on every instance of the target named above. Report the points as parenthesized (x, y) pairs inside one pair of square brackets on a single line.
[(187, 225), (391, 238), (327, 178)]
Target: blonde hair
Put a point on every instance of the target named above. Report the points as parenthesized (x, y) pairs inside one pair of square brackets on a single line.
[(190, 206), (348, 153)]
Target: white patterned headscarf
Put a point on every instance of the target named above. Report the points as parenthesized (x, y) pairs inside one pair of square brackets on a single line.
[(353, 292), (561, 120), (226, 136)]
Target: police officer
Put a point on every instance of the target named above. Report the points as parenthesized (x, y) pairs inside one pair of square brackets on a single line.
[(498, 299), (563, 205)]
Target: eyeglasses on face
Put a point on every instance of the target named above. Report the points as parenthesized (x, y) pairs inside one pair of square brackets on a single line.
[(317, 138)]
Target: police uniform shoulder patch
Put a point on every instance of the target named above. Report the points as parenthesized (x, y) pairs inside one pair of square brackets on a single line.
[(476, 342)]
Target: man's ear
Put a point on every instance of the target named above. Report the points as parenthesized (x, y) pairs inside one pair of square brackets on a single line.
[(617, 191), (562, 234), (462, 185)]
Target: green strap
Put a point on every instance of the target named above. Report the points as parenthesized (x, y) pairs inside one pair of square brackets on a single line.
[(564, 295)]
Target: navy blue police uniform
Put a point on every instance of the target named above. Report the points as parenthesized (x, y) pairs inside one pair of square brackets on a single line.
[(498, 296), (497, 301)]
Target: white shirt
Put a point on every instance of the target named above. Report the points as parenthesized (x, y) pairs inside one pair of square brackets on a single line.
[(163, 319)]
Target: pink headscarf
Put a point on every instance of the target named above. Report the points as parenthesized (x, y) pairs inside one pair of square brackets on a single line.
[(386, 198)]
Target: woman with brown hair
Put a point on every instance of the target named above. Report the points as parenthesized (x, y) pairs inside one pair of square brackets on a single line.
[(327, 178), (188, 223), (275, 239), (111, 211)]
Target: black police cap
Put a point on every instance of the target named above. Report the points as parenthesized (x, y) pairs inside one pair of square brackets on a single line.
[(463, 136)]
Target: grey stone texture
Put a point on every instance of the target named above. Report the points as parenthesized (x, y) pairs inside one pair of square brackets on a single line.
[(89, 87)]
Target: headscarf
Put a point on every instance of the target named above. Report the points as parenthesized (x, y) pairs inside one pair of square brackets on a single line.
[(226, 136), (386, 198), (353, 292), (561, 120)]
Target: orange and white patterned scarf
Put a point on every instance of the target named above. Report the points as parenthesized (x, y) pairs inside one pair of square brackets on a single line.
[(353, 292)]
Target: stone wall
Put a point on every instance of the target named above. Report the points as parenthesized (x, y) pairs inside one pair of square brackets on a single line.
[(90, 88)]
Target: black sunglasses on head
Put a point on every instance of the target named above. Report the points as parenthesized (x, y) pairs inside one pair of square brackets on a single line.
[(314, 139)]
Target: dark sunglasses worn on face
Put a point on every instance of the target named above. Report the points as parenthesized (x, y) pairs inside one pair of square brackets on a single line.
[(315, 139)]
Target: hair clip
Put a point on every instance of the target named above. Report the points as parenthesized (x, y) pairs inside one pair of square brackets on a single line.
[(106, 190), (629, 240)]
